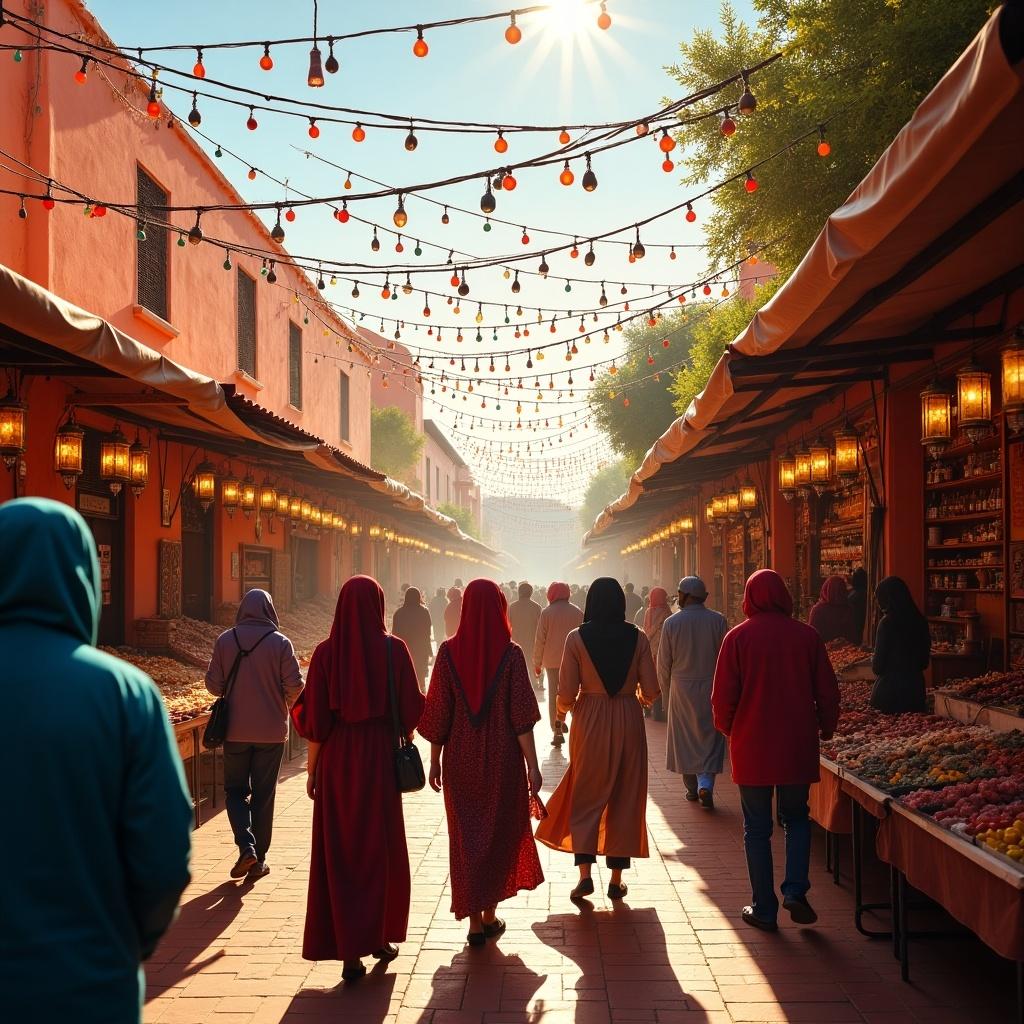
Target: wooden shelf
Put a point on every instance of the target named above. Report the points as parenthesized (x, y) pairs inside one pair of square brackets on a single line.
[(947, 621), (949, 485), (963, 590), (965, 518), (990, 444), (966, 544)]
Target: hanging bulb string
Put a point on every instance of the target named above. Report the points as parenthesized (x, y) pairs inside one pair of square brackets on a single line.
[(72, 44)]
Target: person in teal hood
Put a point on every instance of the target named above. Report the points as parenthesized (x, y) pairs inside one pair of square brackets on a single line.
[(95, 792)]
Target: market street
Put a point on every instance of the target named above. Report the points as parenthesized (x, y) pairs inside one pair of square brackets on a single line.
[(674, 952)]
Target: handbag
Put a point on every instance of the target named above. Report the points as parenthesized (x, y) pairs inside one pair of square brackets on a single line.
[(409, 774), (216, 730)]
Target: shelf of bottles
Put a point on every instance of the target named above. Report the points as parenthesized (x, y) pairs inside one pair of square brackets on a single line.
[(803, 597), (964, 545), (734, 549), (841, 535)]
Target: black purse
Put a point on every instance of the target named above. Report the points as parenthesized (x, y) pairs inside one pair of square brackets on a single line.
[(409, 774), (216, 730)]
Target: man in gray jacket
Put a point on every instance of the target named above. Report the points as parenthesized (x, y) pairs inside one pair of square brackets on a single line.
[(687, 654), (555, 623), (267, 684)]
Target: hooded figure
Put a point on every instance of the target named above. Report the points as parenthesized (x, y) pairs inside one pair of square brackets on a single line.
[(858, 598), (452, 612), (902, 650), (359, 882), (832, 616), (599, 807), (266, 686), (412, 624), (437, 605), (774, 694), (556, 622), (95, 787), (479, 719)]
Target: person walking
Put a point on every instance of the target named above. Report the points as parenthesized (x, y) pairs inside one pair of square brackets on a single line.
[(452, 612), (903, 646), (359, 880), (774, 694), (479, 720), (690, 641), (858, 598), (266, 685), (652, 621), (634, 602), (522, 616), (556, 622), (437, 605), (832, 616), (98, 815), (599, 807), (412, 624)]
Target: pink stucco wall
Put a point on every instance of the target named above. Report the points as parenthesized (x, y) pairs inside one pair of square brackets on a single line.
[(91, 138)]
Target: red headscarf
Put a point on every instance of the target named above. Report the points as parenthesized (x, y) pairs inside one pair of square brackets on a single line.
[(482, 638), (558, 592), (766, 591), (353, 659), (834, 591), (657, 610)]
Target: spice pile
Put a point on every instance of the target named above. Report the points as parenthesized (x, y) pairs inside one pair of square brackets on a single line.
[(192, 640), (181, 686), (843, 654), (994, 689), (307, 624)]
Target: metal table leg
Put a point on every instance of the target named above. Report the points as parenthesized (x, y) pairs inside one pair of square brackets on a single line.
[(859, 906)]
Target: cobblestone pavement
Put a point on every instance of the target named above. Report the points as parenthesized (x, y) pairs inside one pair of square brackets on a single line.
[(675, 952)]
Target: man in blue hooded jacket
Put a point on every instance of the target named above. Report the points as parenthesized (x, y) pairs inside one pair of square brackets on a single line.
[(96, 798)]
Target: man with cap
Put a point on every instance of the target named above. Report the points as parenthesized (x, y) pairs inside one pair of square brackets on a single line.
[(690, 640)]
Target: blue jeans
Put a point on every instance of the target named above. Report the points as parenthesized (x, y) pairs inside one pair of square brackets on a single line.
[(756, 802), (697, 781), (250, 785)]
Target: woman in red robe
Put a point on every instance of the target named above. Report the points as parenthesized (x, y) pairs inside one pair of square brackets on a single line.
[(480, 713), (359, 884)]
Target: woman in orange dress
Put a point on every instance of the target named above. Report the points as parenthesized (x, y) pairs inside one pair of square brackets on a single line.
[(606, 676)]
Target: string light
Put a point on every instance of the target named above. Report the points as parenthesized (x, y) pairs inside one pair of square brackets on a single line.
[(420, 47)]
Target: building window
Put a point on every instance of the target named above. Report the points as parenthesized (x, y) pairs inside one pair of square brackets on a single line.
[(295, 364), (343, 405), (246, 323), (428, 478), (151, 251)]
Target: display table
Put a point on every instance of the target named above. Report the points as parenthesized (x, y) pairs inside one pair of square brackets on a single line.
[(189, 735), (948, 705), (829, 805)]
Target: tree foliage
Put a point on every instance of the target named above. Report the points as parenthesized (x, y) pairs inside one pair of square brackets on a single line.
[(604, 487), (634, 428), (864, 64), (462, 516), (395, 447)]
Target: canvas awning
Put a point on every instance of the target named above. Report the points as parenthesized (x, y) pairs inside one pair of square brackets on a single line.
[(932, 235)]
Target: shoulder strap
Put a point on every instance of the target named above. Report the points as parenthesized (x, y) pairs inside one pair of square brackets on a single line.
[(242, 653), (396, 718)]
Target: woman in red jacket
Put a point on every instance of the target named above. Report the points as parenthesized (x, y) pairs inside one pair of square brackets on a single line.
[(774, 694)]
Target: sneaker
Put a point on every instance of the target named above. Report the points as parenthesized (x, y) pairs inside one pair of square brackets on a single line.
[(691, 796), (707, 798), (243, 865), (799, 910), (259, 870), (749, 917)]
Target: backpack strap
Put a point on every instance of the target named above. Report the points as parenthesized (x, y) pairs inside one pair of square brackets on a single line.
[(242, 653)]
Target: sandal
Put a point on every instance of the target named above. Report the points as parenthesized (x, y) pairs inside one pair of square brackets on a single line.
[(494, 929), (477, 939), (585, 888), (386, 953)]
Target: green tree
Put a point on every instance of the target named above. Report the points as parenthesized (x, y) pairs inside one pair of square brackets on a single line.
[(865, 63), (634, 428), (604, 487), (395, 447), (467, 524)]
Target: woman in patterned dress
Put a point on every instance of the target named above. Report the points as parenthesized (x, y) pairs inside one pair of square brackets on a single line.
[(479, 719)]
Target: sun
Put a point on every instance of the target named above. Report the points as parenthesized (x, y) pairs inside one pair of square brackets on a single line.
[(571, 17)]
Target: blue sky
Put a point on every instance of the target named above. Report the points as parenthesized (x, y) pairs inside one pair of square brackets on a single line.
[(471, 73)]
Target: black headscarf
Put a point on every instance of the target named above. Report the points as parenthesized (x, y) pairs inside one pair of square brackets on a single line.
[(609, 639), (897, 603)]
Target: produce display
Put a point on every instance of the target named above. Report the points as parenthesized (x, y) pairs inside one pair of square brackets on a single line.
[(307, 624), (994, 689), (193, 640), (843, 654), (181, 686)]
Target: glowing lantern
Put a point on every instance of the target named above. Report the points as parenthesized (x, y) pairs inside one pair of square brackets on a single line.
[(787, 475), (802, 468), (138, 466), (67, 452), (267, 497), (12, 430), (748, 498), (1013, 385), (733, 503), (720, 503), (230, 489), (686, 524), (847, 453), (936, 419), (974, 402), (709, 512), (284, 504), (115, 460), (306, 511), (821, 466), (204, 484), (295, 508)]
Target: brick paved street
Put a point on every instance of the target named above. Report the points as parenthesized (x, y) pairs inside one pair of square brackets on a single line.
[(674, 953)]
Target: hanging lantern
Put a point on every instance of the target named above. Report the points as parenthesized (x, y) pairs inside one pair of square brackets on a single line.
[(821, 466), (12, 430), (732, 500), (295, 508), (306, 511), (247, 495), (847, 453), (1013, 384), (115, 460), (686, 524), (284, 502), (138, 466), (230, 489), (974, 402), (355, 529), (748, 499), (316, 517), (267, 497), (936, 419), (204, 485), (787, 475), (802, 468), (709, 512), (67, 452)]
